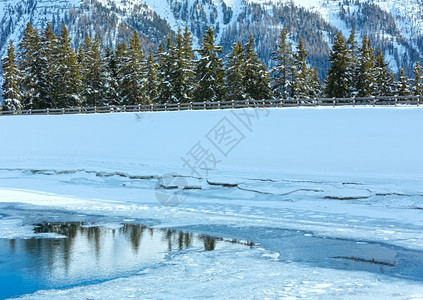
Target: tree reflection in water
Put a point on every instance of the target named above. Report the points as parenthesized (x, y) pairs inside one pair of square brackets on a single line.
[(99, 237), (87, 253)]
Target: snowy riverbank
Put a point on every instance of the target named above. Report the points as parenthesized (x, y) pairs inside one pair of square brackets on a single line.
[(360, 141)]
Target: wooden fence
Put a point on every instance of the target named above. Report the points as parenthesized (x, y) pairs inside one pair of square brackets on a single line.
[(234, 104)]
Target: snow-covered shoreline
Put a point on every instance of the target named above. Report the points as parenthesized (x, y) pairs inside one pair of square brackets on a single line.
[(381, 142)]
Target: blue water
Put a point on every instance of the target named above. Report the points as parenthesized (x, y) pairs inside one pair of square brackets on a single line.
[(343, 254), (91, 254), (88, 255)]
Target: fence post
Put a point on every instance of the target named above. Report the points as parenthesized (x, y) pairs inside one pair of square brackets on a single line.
[(47, 111), (205, 105), (233, 104), (218, 104), (139, 107), (353, 101), (30, 111), (374, 101), (179, 105), (334, 102), (95, 109), (395, 100), (124, 108), (190, 105), (418, 100)]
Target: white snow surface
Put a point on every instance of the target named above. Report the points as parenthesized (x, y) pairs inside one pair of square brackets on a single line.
[(360, 141), (352, 173)]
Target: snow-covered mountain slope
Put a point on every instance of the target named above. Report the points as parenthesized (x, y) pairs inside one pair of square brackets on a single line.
[(394, 25)]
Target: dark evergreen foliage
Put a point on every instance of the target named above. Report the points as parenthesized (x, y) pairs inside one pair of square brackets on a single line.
[(49, 73), (209, 70), (12, 78), (337, 77)]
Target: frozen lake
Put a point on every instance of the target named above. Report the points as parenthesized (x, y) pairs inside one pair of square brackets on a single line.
[(84, 254), (78, 254), (313, 237)]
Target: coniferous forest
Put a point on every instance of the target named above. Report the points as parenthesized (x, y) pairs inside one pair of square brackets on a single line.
[(44, 71)]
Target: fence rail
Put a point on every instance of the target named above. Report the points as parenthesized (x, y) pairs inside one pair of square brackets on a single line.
[(234, 104)]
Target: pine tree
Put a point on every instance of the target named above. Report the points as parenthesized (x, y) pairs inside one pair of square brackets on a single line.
[(94, 73), (417, 87), (189, 65), (352, 69), (336, 82), (48, 69), (66, 78), (256, 80), (166, 67), (235, 73), (366, 68), (11, 80), (152, 80), (313, 83), (133, 72), (300, 74), (404, 88), (29, 65), (384, 79), (112, 86), (284, 62), (209, 70), (182, 73), (119, 63)]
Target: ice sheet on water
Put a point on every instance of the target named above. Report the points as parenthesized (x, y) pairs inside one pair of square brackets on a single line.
[(13, 228), (245, 273)]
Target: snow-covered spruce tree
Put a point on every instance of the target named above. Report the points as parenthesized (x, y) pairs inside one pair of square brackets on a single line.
[(132, 73), (94, 73), (111, 77), (182, 73), (352, 69), (235, 73), (67, 80), (166, 67), (152, 80), (11, 80), (313, 83), (366, 69), (29, 65), (299, 87), (120, 61), (284, 61), (336, 82), (209, 70), (384, 79), (417, 82), (189, 62), (48, 69), (256, 80), (403, 85)]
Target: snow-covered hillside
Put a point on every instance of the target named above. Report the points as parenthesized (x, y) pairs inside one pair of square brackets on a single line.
[(396, 26)]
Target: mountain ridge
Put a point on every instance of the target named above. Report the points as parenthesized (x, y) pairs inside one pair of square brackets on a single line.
[(395, 26)]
